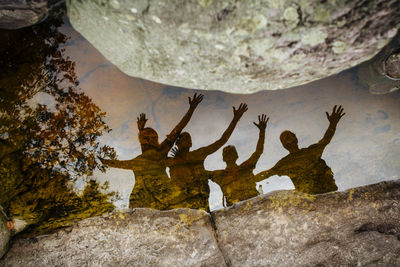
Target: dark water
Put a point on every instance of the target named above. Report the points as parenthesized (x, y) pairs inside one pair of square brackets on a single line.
[(51, 127)]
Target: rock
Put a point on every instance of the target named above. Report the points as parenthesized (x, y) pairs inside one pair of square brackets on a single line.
[(392, 66), (5, 235), (235, 46), (143, 237), (15, 14), (381, 74), (357, 227)]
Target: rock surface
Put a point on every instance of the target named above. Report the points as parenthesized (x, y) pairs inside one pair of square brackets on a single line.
[(4, 235), (142, 237), (381, 74), (15, 14), (360, 226), (235, 46), (357, 227)]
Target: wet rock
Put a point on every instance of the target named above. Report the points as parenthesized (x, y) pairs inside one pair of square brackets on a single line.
[(235, 46), (5, 235), (357, 227), (142, 237), (15, 14), (381, 74)]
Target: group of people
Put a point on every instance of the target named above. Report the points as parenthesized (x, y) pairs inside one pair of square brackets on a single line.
[(187, 186)]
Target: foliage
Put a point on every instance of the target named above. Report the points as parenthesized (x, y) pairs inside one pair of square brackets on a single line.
[(49, 128)]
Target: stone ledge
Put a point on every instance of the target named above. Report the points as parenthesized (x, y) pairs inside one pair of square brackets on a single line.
[(142, 237), (360, 226)]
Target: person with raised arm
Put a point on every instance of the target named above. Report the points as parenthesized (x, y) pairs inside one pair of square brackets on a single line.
[(238, 182), (187, 167), (308, 172), (152, 187)]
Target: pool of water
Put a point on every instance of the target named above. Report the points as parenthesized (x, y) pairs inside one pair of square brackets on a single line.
[(52, 127)]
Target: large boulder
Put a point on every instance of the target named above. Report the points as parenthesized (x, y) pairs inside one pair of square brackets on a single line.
[(142, 237), (358, 227), (15, 14), (235, 46)]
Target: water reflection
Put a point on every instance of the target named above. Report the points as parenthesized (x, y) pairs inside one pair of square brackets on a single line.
[(308, 172), (187, 167), (152, 186), (45, 147), (49, 130), (238, 181)]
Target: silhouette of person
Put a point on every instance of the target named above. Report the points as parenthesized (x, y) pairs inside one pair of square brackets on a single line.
[(152, 186), (187, 167), (238, 182), (308, 172)]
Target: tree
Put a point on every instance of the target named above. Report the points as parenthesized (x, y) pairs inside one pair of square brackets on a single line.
[(49, 141)]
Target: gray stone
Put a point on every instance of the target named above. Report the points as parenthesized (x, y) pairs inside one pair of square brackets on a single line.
[(15, 14), (357, 227), (235, 46), (5, 235), (381, 74), (284, 228), (143, 237)]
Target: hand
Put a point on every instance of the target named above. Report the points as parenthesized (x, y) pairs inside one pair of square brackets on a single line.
[(237, 113), (195, 101), (141, 121), (174, 151), (262, 122), (336, 114)]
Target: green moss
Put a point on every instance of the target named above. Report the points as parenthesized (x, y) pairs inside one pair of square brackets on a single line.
[(204, 3), (55, 205), (292, 199), (321, 14)]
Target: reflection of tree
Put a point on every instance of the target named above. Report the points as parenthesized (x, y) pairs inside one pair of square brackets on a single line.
[(59, 139)]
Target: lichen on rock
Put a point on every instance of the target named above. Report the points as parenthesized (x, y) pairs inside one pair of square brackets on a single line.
[(235, 46)]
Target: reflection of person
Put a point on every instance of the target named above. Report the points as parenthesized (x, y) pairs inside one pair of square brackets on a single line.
[(152, 186), (308, 172), (187, 167), (238, 182)]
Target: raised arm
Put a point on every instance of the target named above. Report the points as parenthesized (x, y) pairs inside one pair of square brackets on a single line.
[(261, 125), (169, 141), (207, 150), (121, 164), (337, 114)]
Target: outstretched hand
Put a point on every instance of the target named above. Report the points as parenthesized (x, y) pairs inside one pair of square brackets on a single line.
[(174, 151), (262, 122), (336, 115), (195, 101), (237, 113), (141, 121)]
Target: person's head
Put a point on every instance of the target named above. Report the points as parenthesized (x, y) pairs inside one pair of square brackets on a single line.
[(184, 141), (229, 154), (148, 137), (289, 141)]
